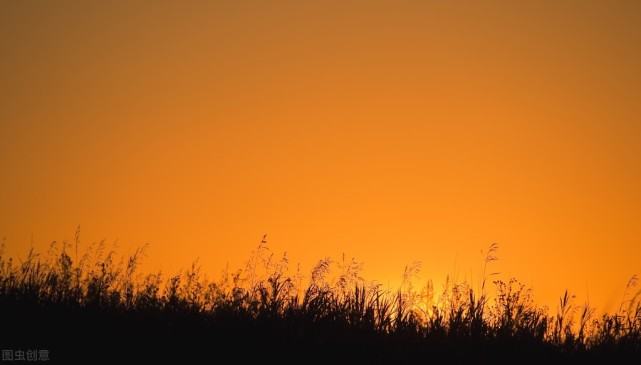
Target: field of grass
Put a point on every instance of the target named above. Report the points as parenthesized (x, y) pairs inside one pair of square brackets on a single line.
[(97, 306)]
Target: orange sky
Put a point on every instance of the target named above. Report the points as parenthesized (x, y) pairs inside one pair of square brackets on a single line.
[(392, 131)]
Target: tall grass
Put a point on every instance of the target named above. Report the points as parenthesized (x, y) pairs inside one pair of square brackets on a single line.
[(98, 302)]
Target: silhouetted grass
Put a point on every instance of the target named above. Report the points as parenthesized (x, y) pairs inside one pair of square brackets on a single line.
[(98, 306)]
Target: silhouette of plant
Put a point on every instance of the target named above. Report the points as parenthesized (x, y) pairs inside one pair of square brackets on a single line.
[(262, 305)]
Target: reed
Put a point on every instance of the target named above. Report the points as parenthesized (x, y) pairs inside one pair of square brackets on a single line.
[(106, 305)]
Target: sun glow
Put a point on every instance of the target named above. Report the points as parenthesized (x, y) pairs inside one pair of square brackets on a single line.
[(391, 133)]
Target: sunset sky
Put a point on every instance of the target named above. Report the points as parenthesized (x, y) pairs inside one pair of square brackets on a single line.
[(391, 131)]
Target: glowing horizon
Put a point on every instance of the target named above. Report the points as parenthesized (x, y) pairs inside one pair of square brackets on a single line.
[(390, 132)]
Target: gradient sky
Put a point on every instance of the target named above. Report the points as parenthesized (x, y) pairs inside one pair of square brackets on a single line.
[(391, 131)]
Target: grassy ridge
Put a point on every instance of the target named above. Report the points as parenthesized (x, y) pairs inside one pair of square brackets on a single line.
[(100, 307)]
